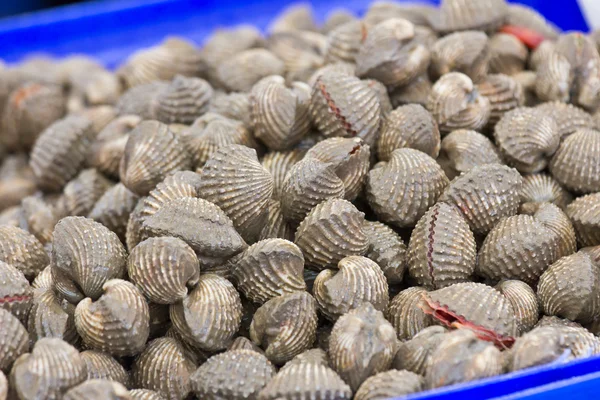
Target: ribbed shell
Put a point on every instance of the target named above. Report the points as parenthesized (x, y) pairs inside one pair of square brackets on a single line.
[(113, 209), (554, 77), (151, 153), (88, 254), (60, 152), (570, 288), (416, 92), (541, 54), (568, 117), (340, 67), (39, 218), (222, 44), (145, 394), (116, 323), (51, 317), (301, 52), (392, 54), (387, 249), (235, 181), (81, 193), (140, 100), (540, 346), (584, 213), (558, 222), (524, 301), (44, 279), (98, 389), (163, 268), (462, 150), (276, 226), (22, 250), (467, 52), (508, 55), (269, 268), (415, 354), (280, 113), (358, 280), (455, 103), (504, 93), (16, 180), (109, 146), (231, 105), (576, 164), (14, 340), (518, 247), (389, 384), (460, 15), (478, 307), (103, 366), (279, 164), (15, 292), (210, 315), (442, 248), (241, 71), (362, 344), (163, 366), (401, 190), (294, 17), (184, 100), (52, 368), (235, 374), (521, 15), (285, 326), (485, 195), (462, 357), (405, 315), (330, 232), (543, 188), (408, 126), (343, 105), (344, 42), (581, 342), (527, 137)]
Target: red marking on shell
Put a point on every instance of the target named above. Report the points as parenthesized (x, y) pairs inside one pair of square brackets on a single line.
[(336, 111), (430, 239), (14, 299), (529, 37)]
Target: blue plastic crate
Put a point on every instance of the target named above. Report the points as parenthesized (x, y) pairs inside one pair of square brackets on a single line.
[(111, 30)]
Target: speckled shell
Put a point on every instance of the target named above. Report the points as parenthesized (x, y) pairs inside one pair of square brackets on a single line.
[(389, 384), (285, 326), (195, 317), (508, 55), (558, 222), (416, 92), (235, 181), (163, 366), (162, 62), (330, 232), (163, 269), (415, 354), (442, 248), (408, 126), (540, 346), (235, 375), (279, 164), (504, 94), (113, 209), (518, 247), (542, 188), (462, 357), (391, 54), (521, 15), (199, 223), (103, 366), (241, 71), (405, 315), (117, 323), (184, 100), (455, 103), (51, 317), (276, 226), (584, 213), (16, 180), (14, 340), (524, 301), (554, 77), (60, 152), (151, 153), (29, 109), (145, 394), (81, 193), (53, 365), (401, 190), (462, 150), (570, 288), (485, 195), (39, 218), (387, 249), (98, 389), (343, 105), (358, 280), (467, 52), (576, 164), (568, 117), (344, 41), (362, 344), (306, 378), (460, 15), (269, 268), (527, 137), (22, 250), (15, 292), (88, 254)]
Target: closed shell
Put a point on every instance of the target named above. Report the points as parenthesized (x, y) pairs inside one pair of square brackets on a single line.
[(103, 366), (362, 344), (276, 226), (301, 52), (584, 213), (508, 55), (140, 100), (295, 17), (463, 149), (521, 15), (14, 340), (184, 100), (116, 323), (442, 248), (467, 52), (460, 15), (44, 279), (40, 218), (401, 190), (504, 93), (558, 222), (22, 250), (389, 384), (164, 366), (568, 117), (51, 317), (405, 314), (98, 389), (543, 188), (540, 346), (576, 164), (17, 180), (145, 394), (553, 77), (241, 71), (279, 163), (15, 292), (524, 301), (113, 209), (231, 105), (416, 92), (81, 193), (415, 354), (195, 317), (358, 280), (387, 249), (285, 326), (109, 146), (344, 42)]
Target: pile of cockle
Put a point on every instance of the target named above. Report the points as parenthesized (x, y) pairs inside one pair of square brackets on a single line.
[(363, 210)]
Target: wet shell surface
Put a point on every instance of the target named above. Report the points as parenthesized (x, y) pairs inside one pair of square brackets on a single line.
[(524, 301), (387, 249), (542, 188), (241, 71), (357, 280), (466, 52), (14, 340), (279, 163), (22, 250), (15, 292), (97, 389), (401, 190), (508, 55), (576, 164), (584, 213), (389, 384), (103, 366), (462, 150), (81, 194), (405, 314), (415, 354), (184, 100)]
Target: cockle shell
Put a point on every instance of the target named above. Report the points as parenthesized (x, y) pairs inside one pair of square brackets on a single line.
[(467, 52), (462, 150), (184, 100), (576, 164), (113, 209), (22, 250), (541, 54), (243, 343), (51, 317), (43, 280), (241, 71), (393, 383), (555, 219), (415, 354), (387, 249), (379, 11), (584, 213), (336, 18), (521, 15), (3, 386), (508, 55), (542, 188), (109, 146), (362, 344), (98, 389), (231, 105), (408, 126), (503, 92), (442, 248), (405, 315), (356, 281), (460, 15), (17, 180), (16, 294), (279, 163), (540, 346), (524, 301), (301, 52), (416, 92), (276, 226), (145, 394), (401, 190), (568, 117), (340, 67), (344, 41), (103, 366), (382, 95), (553, 77), (285, 326), (81, 193), (140, 100), (14, 340), (39, 218), (295, 17), (330, 232)]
